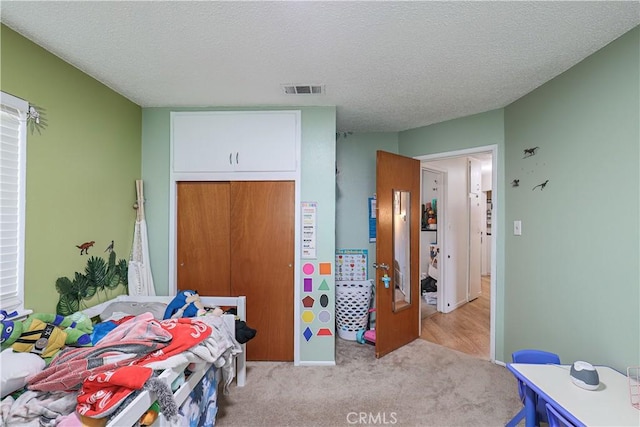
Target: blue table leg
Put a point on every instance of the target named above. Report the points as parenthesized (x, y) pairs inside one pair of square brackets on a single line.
[(516, 419), (530, 408)]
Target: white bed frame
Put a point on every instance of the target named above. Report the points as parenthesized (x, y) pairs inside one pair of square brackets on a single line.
[(144, 400)]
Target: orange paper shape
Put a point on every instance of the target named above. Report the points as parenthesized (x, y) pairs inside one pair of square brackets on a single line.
[(325, 268)]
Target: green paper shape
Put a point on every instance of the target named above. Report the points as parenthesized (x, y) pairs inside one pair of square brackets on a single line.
[(323, 286)]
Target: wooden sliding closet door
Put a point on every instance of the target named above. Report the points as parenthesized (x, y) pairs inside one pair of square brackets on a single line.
[(203, 225), (237, 238), (262, 261)]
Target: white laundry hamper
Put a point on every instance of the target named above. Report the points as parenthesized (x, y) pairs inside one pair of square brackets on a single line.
[(352, 307)]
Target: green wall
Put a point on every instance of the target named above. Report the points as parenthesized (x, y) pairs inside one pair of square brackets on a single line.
[(478, 130), (459, 134), (570, 283), (572, 278), (81, 169), (318, 157), (319, 185), (355, 183)]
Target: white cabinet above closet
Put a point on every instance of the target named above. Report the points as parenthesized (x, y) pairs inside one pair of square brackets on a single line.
[(235, 141)]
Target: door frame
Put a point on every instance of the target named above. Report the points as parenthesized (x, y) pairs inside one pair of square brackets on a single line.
[(496, 200)]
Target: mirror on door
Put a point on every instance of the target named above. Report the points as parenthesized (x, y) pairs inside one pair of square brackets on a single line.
[(401, 249)]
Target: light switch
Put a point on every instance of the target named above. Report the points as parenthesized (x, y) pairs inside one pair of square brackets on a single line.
[(517, 227)]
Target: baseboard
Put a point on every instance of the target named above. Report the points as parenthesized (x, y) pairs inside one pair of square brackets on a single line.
[(317, 363)]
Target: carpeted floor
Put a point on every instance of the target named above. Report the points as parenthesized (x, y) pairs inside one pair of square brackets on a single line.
[(421, 384)]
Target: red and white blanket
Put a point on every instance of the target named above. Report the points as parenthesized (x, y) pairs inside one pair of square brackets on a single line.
[(110, 371)]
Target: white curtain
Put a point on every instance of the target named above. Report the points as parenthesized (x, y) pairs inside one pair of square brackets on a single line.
[(140, 277)]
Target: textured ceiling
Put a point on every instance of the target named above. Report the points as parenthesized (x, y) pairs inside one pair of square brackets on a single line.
[(386, 66)]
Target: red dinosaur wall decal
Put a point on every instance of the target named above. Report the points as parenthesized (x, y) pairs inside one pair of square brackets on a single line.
[(85, 247)]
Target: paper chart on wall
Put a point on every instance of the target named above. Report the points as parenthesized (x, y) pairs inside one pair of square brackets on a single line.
[(351, 264), (309, 229)]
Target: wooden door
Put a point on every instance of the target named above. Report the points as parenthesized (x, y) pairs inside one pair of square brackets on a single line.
[(395, 328), (203, 225), (262, 261)]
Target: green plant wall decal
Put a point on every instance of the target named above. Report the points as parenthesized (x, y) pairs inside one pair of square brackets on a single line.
[(99, 277)]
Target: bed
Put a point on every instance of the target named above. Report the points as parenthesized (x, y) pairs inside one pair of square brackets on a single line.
[(194, 394)]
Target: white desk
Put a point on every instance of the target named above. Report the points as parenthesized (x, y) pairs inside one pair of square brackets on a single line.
[(609, 405)]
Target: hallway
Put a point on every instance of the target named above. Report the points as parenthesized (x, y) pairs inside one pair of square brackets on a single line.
[(465, 329)]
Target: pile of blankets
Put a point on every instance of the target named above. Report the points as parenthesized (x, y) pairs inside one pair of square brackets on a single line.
[(101, 377)]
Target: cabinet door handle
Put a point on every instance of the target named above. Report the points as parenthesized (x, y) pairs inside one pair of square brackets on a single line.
[(230, 161), (237, 159)]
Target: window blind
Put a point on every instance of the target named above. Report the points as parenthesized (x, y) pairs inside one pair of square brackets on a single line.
[(12, 201)]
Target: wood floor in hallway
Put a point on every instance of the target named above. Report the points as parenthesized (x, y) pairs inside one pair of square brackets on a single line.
[(465, 329)]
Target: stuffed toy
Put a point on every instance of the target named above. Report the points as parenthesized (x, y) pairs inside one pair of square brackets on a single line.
[(151, 415), (92, 422), (213, 311), (46, 334), (185, 304)]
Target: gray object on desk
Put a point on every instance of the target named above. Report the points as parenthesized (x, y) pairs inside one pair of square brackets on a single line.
[(584, 375)]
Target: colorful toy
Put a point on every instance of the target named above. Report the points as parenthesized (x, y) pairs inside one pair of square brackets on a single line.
[(150, 416), (6, 315), (213, 311), (92, 422), (369, 335), (46, 334), (185, 304)]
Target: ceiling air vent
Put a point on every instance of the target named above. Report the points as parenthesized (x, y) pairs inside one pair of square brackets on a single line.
[(303, 89)]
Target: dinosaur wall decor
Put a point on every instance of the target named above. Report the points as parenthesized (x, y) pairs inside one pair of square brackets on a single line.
[(85, 247), (544, 184), (528, 152)]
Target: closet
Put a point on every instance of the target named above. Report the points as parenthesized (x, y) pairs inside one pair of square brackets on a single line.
[(237, 238), (235, 175)]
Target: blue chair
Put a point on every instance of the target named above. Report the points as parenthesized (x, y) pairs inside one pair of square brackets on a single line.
[(555, 419), (538, 357)]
